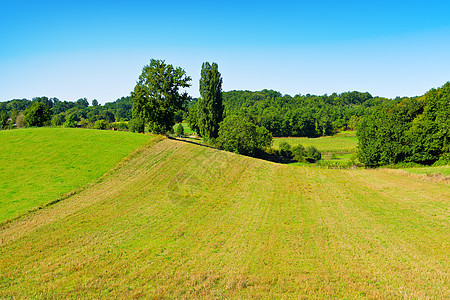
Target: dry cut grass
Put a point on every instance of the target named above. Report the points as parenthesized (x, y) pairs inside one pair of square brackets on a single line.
[(185, 221)]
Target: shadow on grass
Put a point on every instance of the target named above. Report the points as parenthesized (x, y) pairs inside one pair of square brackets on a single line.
[(191, 142), (259, 154)]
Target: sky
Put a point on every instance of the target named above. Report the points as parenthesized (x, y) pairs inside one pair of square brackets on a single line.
[(97, 49)]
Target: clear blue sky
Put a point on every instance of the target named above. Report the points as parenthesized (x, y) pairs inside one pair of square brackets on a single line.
[(96, 49)]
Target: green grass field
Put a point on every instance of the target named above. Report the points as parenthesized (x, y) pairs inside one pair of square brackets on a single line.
[(184, 221), (344, 142), (187, 129), (337, 148), (39, 165), (444, 170)]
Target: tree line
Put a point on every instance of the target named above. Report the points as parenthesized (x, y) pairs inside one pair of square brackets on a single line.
[(389, 131), (44, 111), (407, 130)]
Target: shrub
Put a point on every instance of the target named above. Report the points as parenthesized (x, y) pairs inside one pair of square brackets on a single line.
[(57, 120), (238, 134), (312, 154), (70, 121), (136, 125), (285, 150), (298, 153), (179, 130), (101, 124)]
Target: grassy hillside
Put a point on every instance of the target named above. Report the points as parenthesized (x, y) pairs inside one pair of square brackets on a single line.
[(185, 221), (39, 165)]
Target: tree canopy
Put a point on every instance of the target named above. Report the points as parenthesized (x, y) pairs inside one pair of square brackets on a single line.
[(407, 130), (240, 135), (156, 96), (210, 108), (37, 114)]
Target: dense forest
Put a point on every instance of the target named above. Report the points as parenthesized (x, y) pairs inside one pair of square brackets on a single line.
[(301, 115), (409, 130)]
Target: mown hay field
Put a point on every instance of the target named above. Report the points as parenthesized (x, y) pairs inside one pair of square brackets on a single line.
[(38, 165), (184, 221)]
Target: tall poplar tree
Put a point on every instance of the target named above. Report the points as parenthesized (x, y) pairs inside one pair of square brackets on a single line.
[(210, 107)]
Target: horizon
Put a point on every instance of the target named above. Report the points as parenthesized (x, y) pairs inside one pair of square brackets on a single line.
[(97, 50)]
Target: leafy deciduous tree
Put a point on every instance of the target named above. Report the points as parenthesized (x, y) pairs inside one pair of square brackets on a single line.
[(37, 114), (238, 134), (156, 96)]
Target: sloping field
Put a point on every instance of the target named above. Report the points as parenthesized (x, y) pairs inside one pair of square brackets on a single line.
[(185, 221), (38, 165)]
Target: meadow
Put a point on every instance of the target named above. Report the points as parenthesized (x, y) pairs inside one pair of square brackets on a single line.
[(337, 149), (39, 165), (179, 220)]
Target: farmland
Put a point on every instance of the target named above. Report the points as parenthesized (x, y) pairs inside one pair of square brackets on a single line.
[(337, 148), (179, 220), (39, 165)]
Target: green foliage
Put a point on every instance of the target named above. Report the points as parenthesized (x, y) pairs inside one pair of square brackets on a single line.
[(285, 146), (301, 115), (119, 125), (409, 130), (57, 120), (101, 124), (94, 102), (136, 125), (82, 102), (210, 107), (299, 153), (192, 117), (3, 119), (38, 114), (312, 155), (70, 121), (179, 130), (240, 135), (156, 95)]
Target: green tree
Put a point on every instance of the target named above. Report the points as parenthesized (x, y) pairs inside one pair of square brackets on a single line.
[(94, 102), (101, 124), (299, 153), (210, 109), (37, 114), (57, 120), (238, 134), (3, 119), (70, 121), (179, 130), (136, 125), (312, 154), (192, 117), (156, 96)]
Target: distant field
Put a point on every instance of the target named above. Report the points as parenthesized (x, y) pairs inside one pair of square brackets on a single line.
[(184, 221), (38, 165), (445, 170), (341, 142), (187, 129), (337, 148)]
